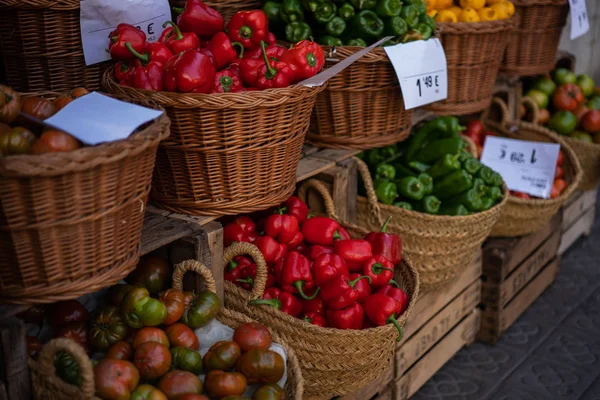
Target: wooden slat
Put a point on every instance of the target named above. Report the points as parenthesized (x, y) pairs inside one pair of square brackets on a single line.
[(311, 166), (420, 115), (336, 155), (578, 207), (582, 227), (13, 355), (308, 150), (166, 232)]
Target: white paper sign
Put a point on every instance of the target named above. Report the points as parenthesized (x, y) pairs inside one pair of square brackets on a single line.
[(580, 23), (526, 167), (422, 71), (98, 18), (95, 118)]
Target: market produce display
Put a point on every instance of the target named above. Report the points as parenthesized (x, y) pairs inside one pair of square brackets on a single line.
[(202, 54), (469, 10), (351, 22), (317, 272)]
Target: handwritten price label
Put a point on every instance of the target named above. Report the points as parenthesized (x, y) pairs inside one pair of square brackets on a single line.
[(424, 79), (526, 167), (580, 23)]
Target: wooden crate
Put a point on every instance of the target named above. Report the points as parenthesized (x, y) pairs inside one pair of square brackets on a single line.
[(577, 218), (515, 272)]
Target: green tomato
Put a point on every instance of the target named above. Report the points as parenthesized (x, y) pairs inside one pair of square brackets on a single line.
[(583, 136), (67, 368), (546, 85), (187, 360), (586, 84), (563, 75), (139, 309), (563, 122), (203, 308), (593, 103), (540, 98)]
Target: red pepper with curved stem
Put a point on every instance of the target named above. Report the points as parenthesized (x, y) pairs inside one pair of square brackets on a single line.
[(306, 58), (386, 244), (190, 71), (293, 275), (281, 227), (316, 250), (296, 207), (392, 290), (344, 235), (382, 310), (157, 52), (340, 292), (271, 249), (380, 269), (199, 18), (241, 229), (250, 70), (227, 82), (281, 300), (223, 49), (148, 77), (124, 71), (295, 242), (362, 286), (315, 319), (234, 268), (122, 34), (274, 52), (328, 266), (249, 28), (321, 230), (315, 305), (355, 252), (179, 42), (274, 74), (165, 35), (247, 277), (350, 317)]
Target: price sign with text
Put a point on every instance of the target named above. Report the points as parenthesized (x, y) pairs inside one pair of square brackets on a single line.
[(422, 71), (580, 23), (526, 167)]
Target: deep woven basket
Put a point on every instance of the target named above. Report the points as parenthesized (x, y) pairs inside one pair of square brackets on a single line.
[(533, 45), (440, 246), (519, 216), (40, 46), (334, 362), (473, 55), (228, 153), (362, 107), (226, 7), (71, 223), (588, 155)]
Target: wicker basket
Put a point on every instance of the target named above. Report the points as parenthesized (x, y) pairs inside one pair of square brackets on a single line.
[(226, 7), (521, 217), (362, 107), (441, 247), (588, 155), (334, 362), (47, 386), (473, 55), (532, 46), (228, 153), (71, 223), (40, 46)]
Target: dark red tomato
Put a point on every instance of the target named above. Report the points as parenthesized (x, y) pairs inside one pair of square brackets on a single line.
[(181, 335), (120, 351), (561, 158), (34, 315), (191, 396), (252, 335), (54, 141), (68, 311), (76, 331), (152, 272), (149, 334), (152, 359), (177, 383)]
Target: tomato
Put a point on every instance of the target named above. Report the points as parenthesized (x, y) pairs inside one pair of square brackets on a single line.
[(116, 293), (153, 272), (583, 136), (261, 366), (182, 336), (10, 104), (580, 111), (17, 140), (186, 360), (190, 396), (173, 299), (120, 351), (563, 122), (520, 195), (53, 141), (543, 117), (591, 121), (115, 379), (147, 392), (560, 184), (61, 102), (222, 355), (559, 172), (561, 158), (38, 107), (202, 309), (76, 331), (148, 334), (139, 309), (78, 92), (475, 127), (152, 359), (177, 382), (107, 328), (567, 97), (564, 75), (271, 391), (220, 384), (252, 335), (34, 315), (33, 346), (68, 311), (67, 368)]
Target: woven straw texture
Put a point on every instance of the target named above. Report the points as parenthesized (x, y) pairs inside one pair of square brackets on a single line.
[(532, 46), (473, 54), (441, 247), (362, 107), (71, 223), (40, 46), (519, 216), (588, 155), (228, 153)]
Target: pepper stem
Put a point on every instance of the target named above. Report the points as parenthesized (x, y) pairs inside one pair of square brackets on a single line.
[(393, 283), (275, 303), (144, 57), (226, 83), (311, 59), (248, 280), (352, 283), (241, 46), (385, 224), (281, 210), (178, 10), (175, 29), (299, 284), (245, 32), (336, 235), (232, 265), (271, 72), (378, 268), (392, 319)]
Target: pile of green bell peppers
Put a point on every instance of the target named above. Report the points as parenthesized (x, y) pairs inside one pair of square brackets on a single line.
[(432, 172), (349, 22)]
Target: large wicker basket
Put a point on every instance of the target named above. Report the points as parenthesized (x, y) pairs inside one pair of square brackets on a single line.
[(71, 223), (588, 155), (473, 54), (441, 247), (532, 46), (228, 153), (40, 46), (521, 217), (362, 107)]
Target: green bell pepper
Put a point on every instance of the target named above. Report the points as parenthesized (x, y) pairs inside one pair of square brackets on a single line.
[(291, 11), (356, 42), (495, 193), (453, 184), (444, 127), (297, 31), (139, 309), (464, 155), (385, 171), (364, 4), (487, 203), (471, 165), (487, 174), (425, 31), (458, 210), (420, 6), (391, 42), (336, 26), (430, 205), (448, 163), (346, 11), (386, 192), (402, 171), (427, 182), (497, 179), (438, 148), (325, 12), (202, 309), (419, 167), (395, 26), (330, 41), (272, 9), (470, 199), (411, 188), (403, 204), (375, 157), (366, 25), (388, 8), (410, 15), (479, 185), (311, 5), (389, 151), (426, 19)]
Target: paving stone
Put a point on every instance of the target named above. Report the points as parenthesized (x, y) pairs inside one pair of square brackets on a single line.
[(571, 346), (593, 392), (447, 384)]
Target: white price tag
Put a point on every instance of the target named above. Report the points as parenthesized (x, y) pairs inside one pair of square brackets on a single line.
[(580, 23), (422, 71), (526, 167)]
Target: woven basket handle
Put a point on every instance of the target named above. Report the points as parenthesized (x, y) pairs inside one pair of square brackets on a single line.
[(532, 105), (504, 112), (248, 249), (197, 267), (322, 190), (86, 370), (373, 207)]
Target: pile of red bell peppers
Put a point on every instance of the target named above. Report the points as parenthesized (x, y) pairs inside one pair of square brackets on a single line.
[(200, 54), (316, 271)]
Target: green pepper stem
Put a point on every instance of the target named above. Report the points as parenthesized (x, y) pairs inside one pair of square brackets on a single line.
[(275, 303), (281, 210), (393, 283), (245, 32), (378, 268), (178, 10), (175, 29), (392, 319), (385, 224), (226, 83), (241, 46), (352, 283), (248, 280), (299, 284), (271, 72), (337, 235), (144, 57), (233, 265)]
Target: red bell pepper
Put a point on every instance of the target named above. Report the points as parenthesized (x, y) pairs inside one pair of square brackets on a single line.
[(293, 275), (306, 58), (249, 28), (199, 18), (295, 242), (179, 42), (315, 319), (321, 230), (397, 294), (301, 248), (368, 324), (274, 74), (190, 71), (281, 227), (362, 287), (315, 305), (223, 49), (227, 82), (270, 281), (272, 250), (165, 35), (271, 39), (148, 77), (247, 277), (380, 270), (296, 207), (124, 71), (315, 251), (274, 52), (281, 300), (122, 34), (340, 292), (157, 52), (328, 266), (382, 310), (241, 229), (249, 70), (386, 244), (355, 252), (344, 235), (348, 318), (233, 269)]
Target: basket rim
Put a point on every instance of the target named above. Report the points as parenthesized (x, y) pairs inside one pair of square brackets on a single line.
[(591, 146), (531, 3), (478, 28)]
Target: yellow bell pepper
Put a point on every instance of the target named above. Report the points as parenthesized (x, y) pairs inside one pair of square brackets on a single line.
[(490, 2), (443, 4), (431, 4), (445, 16), (487, 14), (456, 10), (510, 7), (469, 15), (474, 4), (433, 13), (501, 11)]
